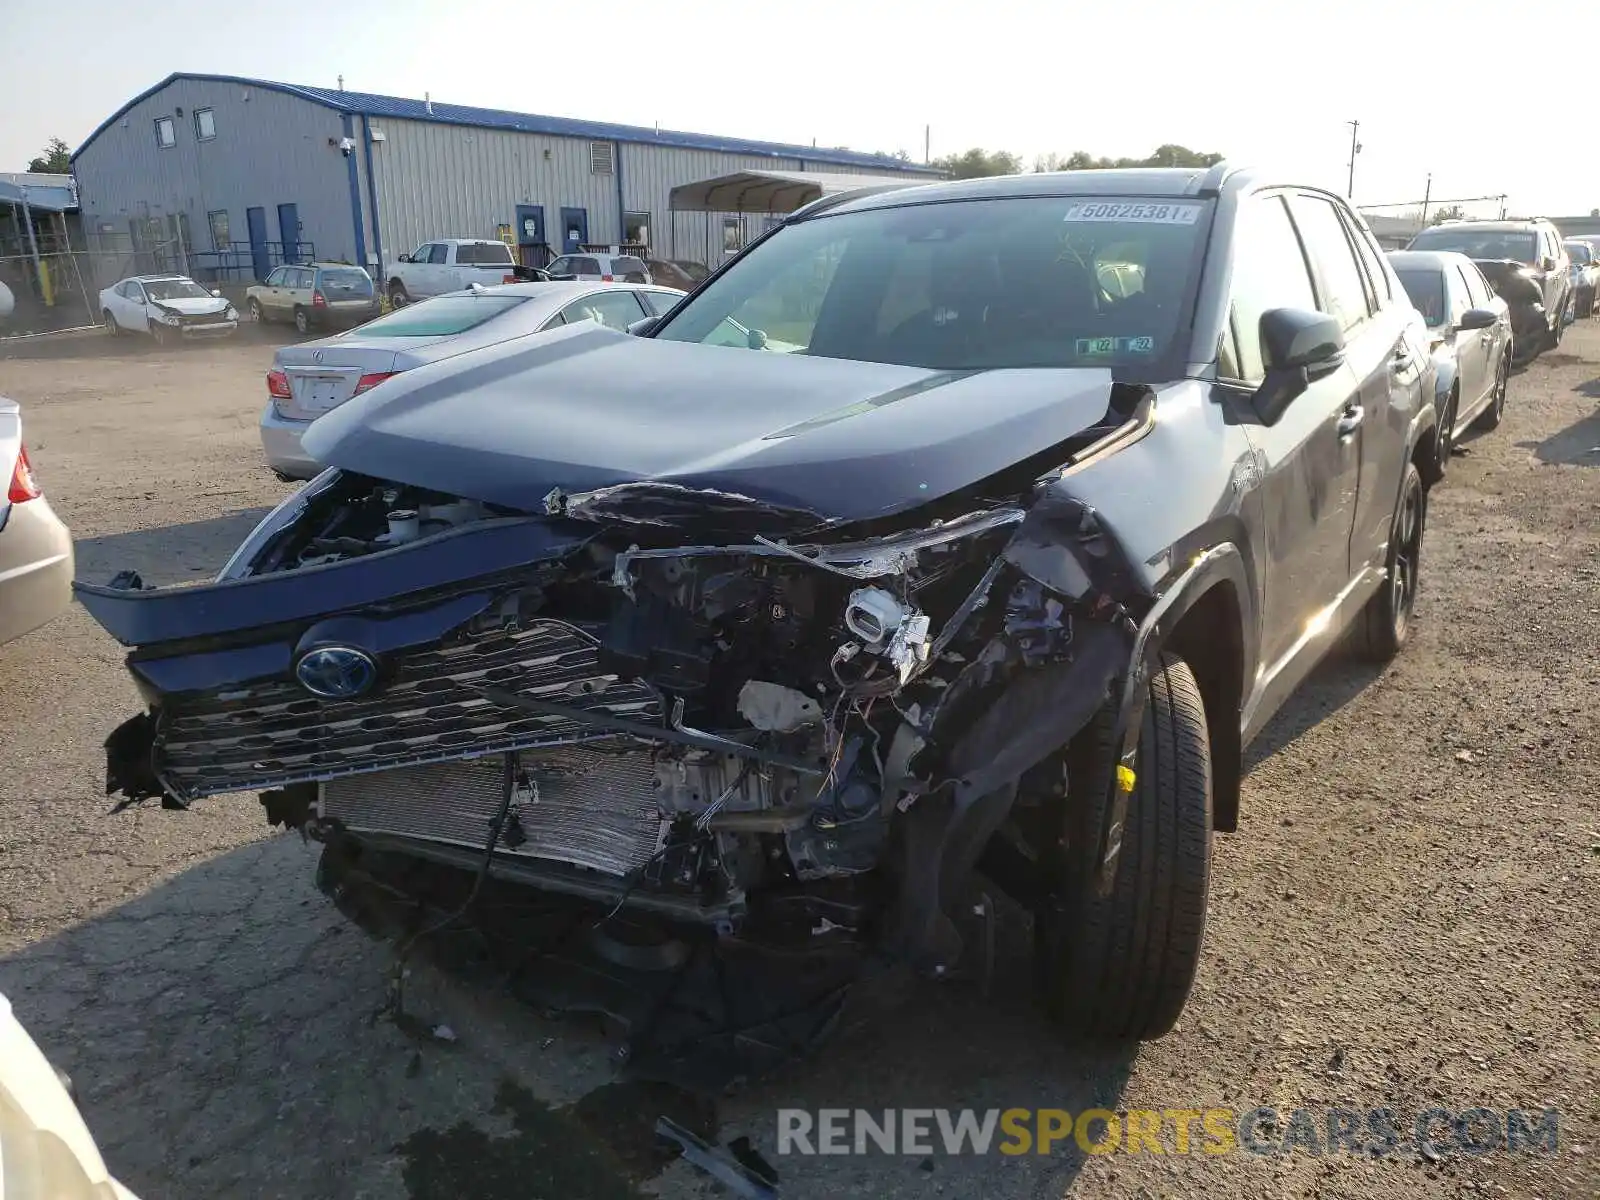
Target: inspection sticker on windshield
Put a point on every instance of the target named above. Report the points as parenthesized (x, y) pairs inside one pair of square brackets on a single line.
[(1141, 211), (1090, 347)]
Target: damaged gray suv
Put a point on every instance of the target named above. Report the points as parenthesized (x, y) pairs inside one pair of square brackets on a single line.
[(964, 529)]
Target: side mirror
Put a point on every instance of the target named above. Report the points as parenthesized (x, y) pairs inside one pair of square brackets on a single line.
[(405, 258), (216, 292), (1299, 345), (1477, 318), (643, 328), (1548, 263)]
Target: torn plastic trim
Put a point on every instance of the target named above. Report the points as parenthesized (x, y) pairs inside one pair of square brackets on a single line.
[(858, 560), (664, 505), (1131, 704)]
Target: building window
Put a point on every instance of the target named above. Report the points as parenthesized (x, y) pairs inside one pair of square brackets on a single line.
[(205, 124), (602, 158), (166, 135), (636, 228), (219, 229)]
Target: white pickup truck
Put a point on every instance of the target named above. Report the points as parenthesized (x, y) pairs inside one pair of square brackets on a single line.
[(451, 264)]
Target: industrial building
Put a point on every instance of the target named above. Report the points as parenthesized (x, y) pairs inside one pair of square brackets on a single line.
[(231, 176)]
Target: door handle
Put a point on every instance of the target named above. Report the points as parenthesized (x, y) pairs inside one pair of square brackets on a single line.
[(1350, 420), (1400, 360)]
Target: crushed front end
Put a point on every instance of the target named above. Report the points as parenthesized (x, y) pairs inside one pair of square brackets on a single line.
[(670, 703)]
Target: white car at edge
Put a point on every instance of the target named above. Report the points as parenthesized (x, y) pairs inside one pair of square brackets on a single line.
[(169, 308)]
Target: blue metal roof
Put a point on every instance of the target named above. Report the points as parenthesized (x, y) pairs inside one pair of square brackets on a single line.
[(399, 107), (45, 199)]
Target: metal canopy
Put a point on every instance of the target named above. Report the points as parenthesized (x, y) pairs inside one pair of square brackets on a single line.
[(774, 191)]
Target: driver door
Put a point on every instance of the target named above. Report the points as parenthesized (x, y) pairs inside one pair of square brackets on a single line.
[(137, 309), (1306, 472)]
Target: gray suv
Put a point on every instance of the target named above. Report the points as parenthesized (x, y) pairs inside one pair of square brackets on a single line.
[(1526, 264)]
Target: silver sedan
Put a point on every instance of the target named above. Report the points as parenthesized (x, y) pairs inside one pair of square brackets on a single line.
[(311, 378), (35, 547)]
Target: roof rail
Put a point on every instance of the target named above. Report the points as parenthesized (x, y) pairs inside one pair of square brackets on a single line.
[(823, 203), (1211, 181)]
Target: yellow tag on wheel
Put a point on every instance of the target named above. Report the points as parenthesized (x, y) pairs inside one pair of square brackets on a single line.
[(1125, 778)]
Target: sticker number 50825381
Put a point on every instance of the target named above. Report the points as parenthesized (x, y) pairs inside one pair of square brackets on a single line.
[(1139, 211)]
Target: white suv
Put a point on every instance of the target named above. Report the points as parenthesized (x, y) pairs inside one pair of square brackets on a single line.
[(601, 268)]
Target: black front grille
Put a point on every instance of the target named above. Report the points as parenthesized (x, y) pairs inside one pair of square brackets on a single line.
[(428, 709)]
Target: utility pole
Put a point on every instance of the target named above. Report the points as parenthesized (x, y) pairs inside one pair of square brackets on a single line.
[(1355, 149), (1426, 193), (927, 145)]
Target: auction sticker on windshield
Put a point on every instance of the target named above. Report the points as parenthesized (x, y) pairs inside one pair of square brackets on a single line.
[(1142, 211)]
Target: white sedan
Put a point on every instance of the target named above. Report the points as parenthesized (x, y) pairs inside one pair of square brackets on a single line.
[(167, 307), (310, 378)]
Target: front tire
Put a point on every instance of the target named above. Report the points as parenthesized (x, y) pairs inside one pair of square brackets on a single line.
[(302, 323), (1386, 619), (1490, 417), (1444, 439), (1119, 967)]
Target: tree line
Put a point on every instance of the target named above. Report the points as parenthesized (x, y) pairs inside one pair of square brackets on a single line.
[(978, 163)]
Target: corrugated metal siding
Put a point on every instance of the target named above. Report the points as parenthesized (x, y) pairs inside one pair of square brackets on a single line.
[(270, 149), (649, 173), (439, 181)]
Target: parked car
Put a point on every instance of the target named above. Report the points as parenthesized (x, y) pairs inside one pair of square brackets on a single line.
[(35, 547), (1524, 262), (774, 646), (681, 274), (314, 296), (1469, 328), (605, 268), (1585, 274), (309, 379), (450, 264), (167, 307), (49, 1151)]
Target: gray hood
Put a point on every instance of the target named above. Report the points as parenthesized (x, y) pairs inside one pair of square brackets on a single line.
[(586, 408)]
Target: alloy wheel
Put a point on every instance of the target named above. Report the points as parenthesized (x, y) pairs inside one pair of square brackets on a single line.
[(1408, 557)]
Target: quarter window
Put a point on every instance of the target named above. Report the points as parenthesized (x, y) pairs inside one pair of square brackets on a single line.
[(205, 124), (1340, 286), (166, 134), (1269, 271)]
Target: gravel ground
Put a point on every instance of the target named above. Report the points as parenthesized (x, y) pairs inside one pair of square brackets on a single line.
[(1407, 917)]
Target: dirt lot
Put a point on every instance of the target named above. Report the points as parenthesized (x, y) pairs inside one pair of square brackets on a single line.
[(1407, 917)]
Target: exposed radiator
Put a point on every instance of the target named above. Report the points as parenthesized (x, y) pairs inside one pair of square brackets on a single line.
[(430, 708), (591, 807)]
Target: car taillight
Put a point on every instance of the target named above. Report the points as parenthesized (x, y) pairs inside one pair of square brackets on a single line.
[(608, 279), (278, 386), (508, 279), (367, 382), (318, 300), (24, 486)]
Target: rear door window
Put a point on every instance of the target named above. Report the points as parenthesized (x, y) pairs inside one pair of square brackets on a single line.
[(660, 303), (615, 310)]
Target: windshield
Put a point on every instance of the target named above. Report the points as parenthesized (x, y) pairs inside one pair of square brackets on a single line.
[(1479, 243), (1426, 289), (176, 289), (1579, 252), (441, 316), (484, 254), (346, 280), (966, 285)]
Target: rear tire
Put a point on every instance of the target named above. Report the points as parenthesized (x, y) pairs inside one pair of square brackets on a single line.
[(110, 322), (302, 322), (1119, 967), (1385, 622)]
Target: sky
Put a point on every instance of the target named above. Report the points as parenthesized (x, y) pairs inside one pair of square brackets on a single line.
[(1470, 92)]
